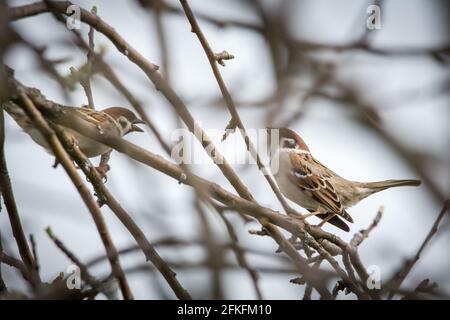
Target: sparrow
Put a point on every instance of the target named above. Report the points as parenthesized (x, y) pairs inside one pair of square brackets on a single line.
[(307, 182), (116, 121)]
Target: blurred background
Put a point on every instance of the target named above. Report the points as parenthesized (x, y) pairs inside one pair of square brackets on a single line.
[(371, 105)]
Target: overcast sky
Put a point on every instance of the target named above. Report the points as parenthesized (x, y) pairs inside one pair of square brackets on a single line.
[(163, 208)]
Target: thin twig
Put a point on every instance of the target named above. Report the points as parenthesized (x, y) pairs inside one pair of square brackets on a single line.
[(18, 264), (3, 287), (162, 39), (359, 237), (13, 213), (309, 288), (215, 21), (84, 76), (240, 255), (348, 267), (35, 255), (105, 70), (214, 251), (85, 274), (403, 273), (172, 242)]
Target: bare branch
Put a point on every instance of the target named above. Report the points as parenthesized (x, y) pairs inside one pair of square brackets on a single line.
[(13, 213), (106, 197), (403, 273), (65, 161), (35, 255), (85, 274), (240, 255), (3, 287), (358, 238), (236, 120)]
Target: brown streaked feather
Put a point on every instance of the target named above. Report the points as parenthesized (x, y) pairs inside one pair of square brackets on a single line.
[(100, 119), (94, 117), (315, 182)]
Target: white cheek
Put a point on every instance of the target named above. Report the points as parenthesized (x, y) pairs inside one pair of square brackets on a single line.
[(125, 124)]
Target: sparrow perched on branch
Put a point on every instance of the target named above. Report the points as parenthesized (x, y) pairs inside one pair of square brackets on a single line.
[(116, 121), (307, 182)]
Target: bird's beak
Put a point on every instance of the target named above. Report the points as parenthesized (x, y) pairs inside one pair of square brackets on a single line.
[(134, 126), (139, 121)]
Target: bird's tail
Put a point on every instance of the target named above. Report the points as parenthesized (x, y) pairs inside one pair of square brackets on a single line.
[(382, 185)]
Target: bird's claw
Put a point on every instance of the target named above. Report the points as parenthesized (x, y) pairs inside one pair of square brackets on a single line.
[(102, 170)]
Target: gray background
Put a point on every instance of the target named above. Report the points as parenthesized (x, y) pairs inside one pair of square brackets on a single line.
[(401, 86)]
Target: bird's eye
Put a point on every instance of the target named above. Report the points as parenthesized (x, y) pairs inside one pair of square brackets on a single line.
[(289, 143), (124, 123)]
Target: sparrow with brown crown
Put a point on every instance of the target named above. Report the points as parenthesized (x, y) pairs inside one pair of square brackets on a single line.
[(116, 121), (307, 182)]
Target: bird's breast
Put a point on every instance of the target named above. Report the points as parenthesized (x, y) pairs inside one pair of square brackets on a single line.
[(287, 187), (91, 148)]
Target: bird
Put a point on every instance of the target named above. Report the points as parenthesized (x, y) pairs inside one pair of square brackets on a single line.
[(310, 184), (117, 121)]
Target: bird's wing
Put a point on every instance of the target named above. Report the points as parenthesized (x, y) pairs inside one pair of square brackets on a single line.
[(100, 119), (314, 180), (93, 116)]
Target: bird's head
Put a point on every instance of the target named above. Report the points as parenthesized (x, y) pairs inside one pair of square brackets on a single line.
[(125, 118), (285, 139)]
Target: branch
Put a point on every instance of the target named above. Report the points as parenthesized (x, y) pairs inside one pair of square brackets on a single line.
[(264, 215), (235, 120), (90, 60), (13, 213), (303, 46), (90, 203), (35, 255), (172, 242), (105, 70), (215, 253), (3, 287), (309, 288), (150, 71), (403, 273), (85, 274), (359, 237), (19, 265), (103, 193), (240, 255)]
